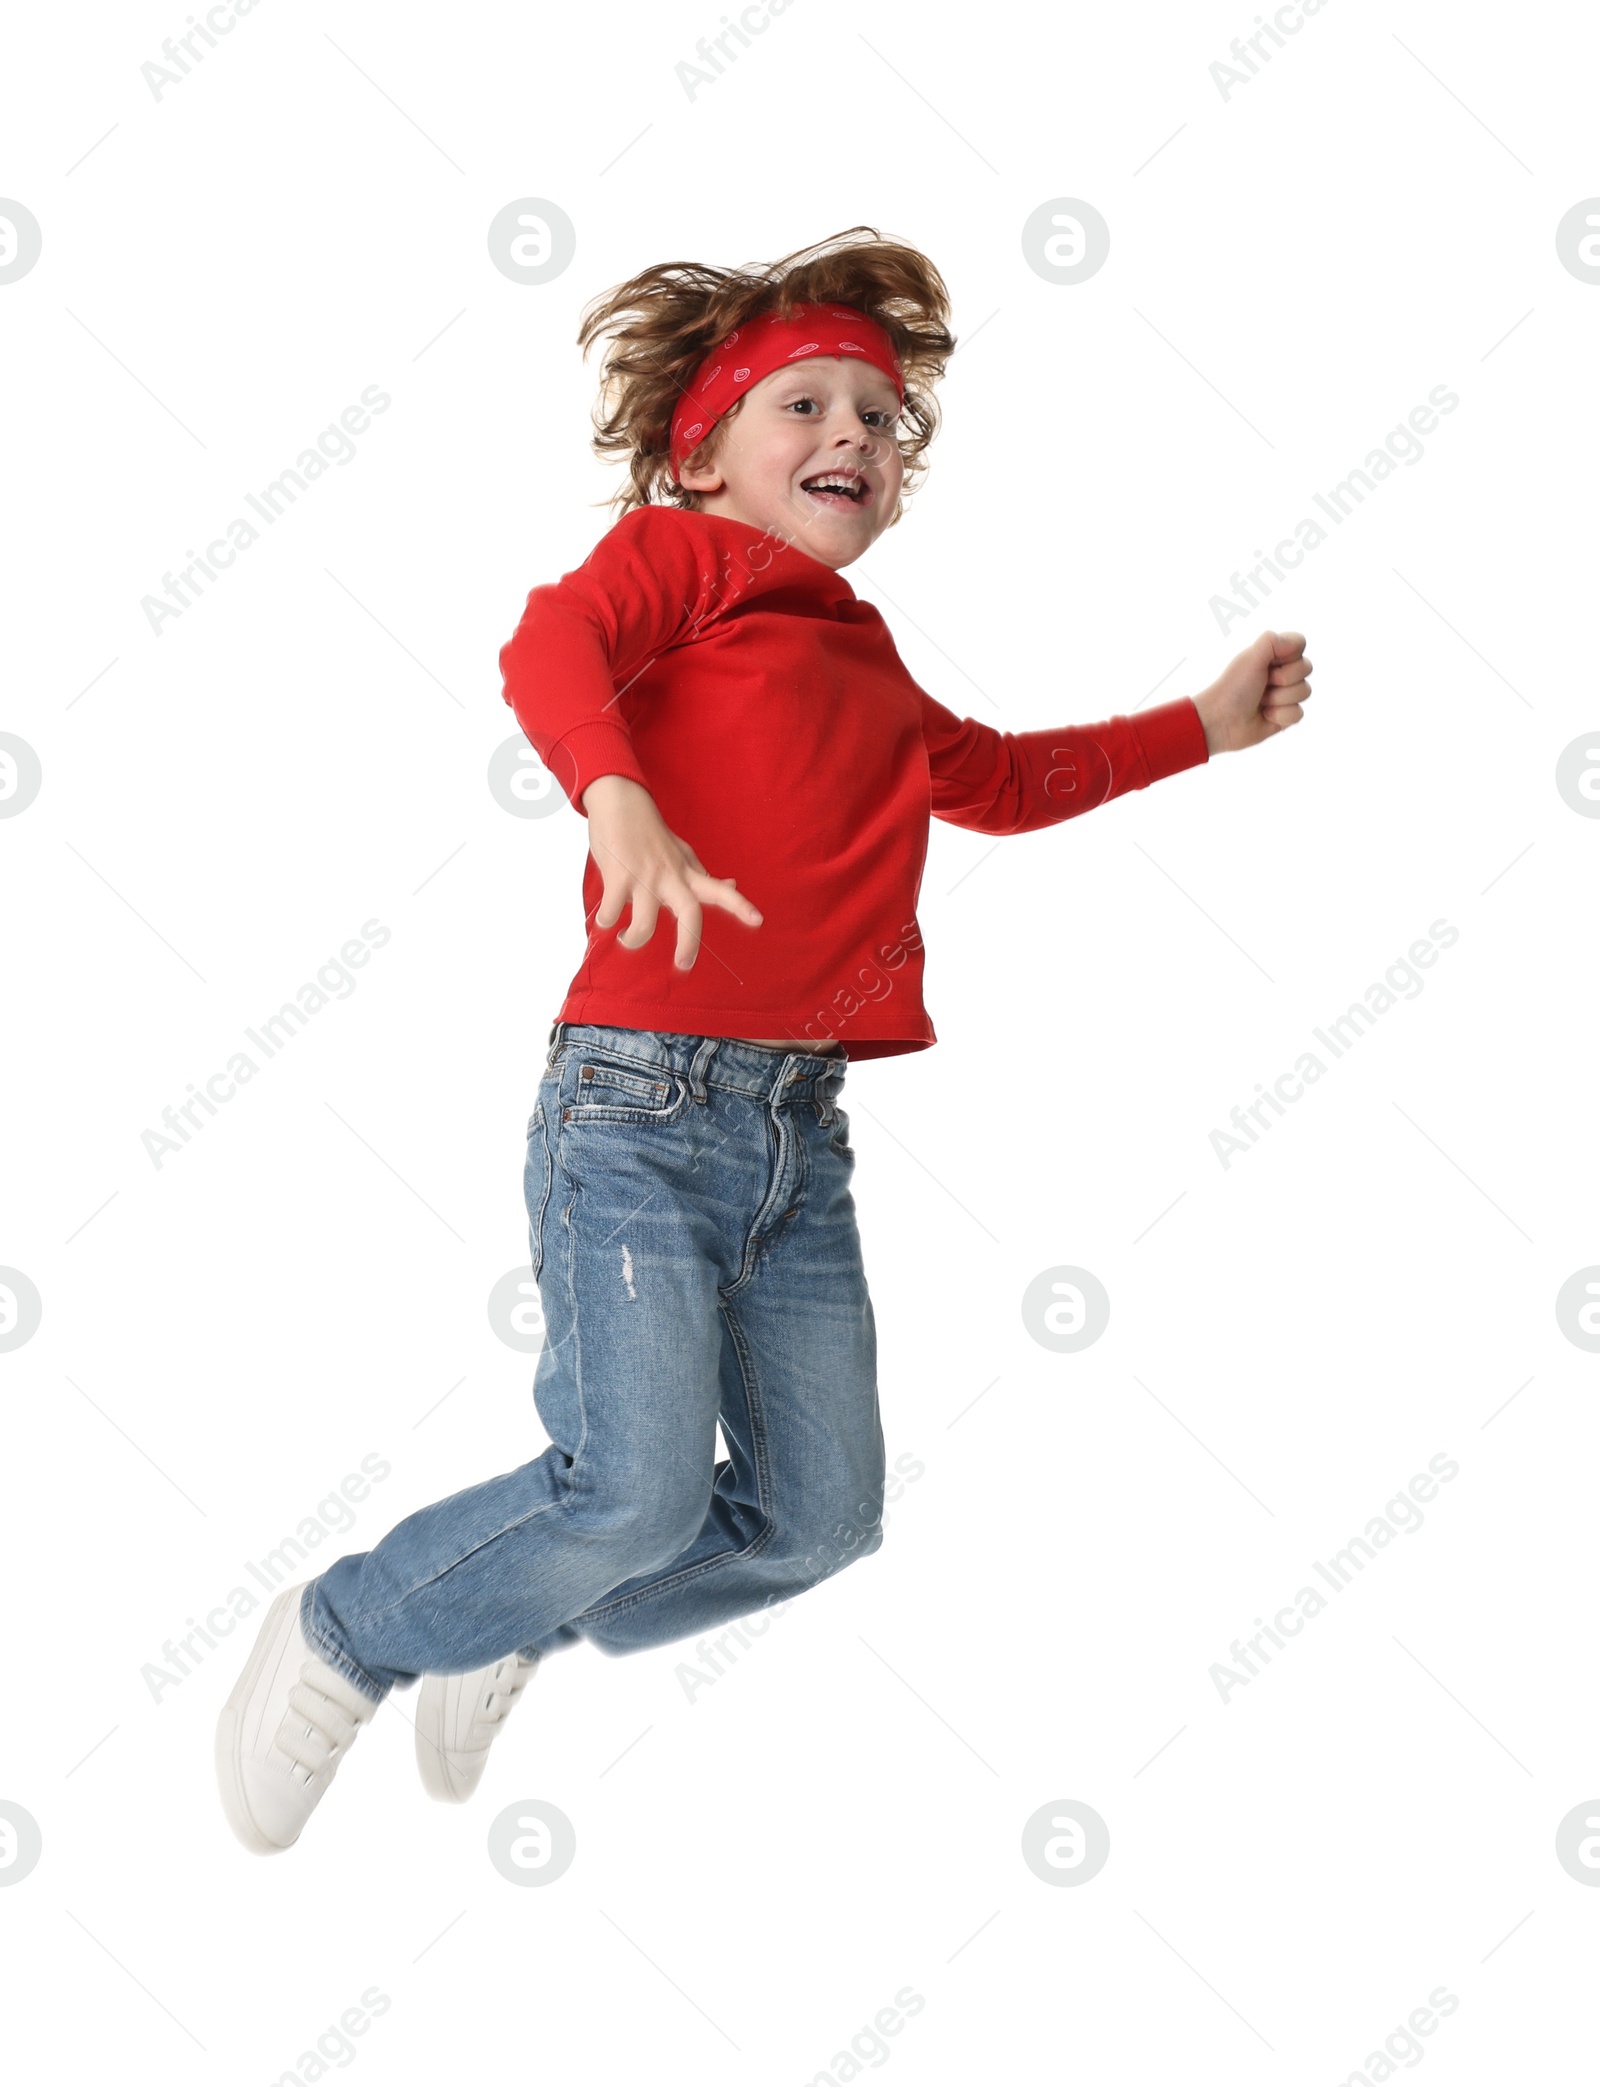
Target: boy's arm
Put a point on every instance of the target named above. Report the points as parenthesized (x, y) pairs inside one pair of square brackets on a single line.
[(585, 637), (1016, 782), (652, 582)]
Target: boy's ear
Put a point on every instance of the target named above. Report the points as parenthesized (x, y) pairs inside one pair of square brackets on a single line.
[(701, 478)]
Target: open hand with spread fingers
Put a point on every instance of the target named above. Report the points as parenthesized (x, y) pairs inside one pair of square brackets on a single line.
[(646, 869)]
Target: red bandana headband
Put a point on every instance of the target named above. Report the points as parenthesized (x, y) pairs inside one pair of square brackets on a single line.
[(764, 344)]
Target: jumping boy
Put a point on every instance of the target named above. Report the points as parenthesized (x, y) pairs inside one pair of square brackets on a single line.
[(707, 690)]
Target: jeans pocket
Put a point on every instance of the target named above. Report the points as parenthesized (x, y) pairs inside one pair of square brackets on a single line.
[(604, 1089)]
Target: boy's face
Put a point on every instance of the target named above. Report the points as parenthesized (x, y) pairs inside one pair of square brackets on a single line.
[(830, 415)]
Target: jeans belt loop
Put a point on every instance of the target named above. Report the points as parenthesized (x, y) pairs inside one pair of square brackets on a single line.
[(700, 1065)]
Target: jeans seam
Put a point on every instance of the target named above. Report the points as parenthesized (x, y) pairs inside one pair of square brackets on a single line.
[(559, 1166), (537, 1254), (577, 1329)]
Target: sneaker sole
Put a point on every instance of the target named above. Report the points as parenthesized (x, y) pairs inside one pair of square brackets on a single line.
[(435, 1708), (433, 1764), (229, 1730)]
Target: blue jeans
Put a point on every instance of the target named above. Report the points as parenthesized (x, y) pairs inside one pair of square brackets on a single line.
[(694, 1240)]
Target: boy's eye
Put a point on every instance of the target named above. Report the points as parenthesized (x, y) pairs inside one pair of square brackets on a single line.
[(880, 414)]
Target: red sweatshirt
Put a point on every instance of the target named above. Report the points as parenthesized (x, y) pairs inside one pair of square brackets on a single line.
[(767, 712)]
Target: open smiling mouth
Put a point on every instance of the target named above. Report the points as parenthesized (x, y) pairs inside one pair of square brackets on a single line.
[(833, 489)]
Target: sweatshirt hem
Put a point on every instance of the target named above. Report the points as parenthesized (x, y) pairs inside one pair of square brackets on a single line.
[(859, 1041)]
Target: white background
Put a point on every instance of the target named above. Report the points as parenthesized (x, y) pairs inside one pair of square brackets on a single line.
[(1292, 1337)]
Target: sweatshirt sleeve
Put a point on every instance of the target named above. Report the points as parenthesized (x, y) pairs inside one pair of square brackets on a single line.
[(648, 584), (1016, 782)]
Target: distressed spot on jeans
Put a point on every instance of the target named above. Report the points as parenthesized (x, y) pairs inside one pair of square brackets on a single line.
[(627, 1272)]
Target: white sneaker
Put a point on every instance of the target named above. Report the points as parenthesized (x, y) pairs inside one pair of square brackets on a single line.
[(283, 1732), (458, 1716)]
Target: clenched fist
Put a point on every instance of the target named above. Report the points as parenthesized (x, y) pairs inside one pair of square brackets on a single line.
[(1257, 694)]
